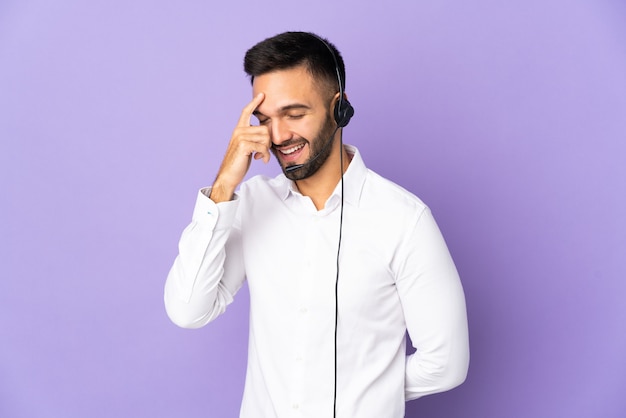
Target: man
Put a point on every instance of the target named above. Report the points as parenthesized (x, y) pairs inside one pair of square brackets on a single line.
[(340, 262)]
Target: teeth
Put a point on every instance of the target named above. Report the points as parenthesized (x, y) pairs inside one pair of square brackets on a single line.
[(292, 149)]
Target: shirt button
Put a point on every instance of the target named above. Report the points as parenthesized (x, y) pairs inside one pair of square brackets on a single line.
[(295, 406), (303, 310)]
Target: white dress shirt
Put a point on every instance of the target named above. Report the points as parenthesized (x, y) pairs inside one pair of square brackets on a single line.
[(395, 274)]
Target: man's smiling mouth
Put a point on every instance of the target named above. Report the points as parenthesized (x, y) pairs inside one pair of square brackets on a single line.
[(291, 150)]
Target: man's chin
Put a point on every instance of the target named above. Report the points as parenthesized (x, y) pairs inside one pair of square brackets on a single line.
[(295, 174), (302, 171)]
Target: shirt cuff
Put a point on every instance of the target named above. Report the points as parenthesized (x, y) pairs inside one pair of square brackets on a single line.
[(214, 215)]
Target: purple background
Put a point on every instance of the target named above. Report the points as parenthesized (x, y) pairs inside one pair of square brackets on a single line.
[(507, 118)]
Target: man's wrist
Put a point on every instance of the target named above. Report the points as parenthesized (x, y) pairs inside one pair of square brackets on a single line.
[(221, 193)]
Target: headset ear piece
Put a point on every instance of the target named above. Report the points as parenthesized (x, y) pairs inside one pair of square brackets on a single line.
[(343, 112)]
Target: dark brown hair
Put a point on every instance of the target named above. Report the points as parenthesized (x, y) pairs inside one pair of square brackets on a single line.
[(291, 49)]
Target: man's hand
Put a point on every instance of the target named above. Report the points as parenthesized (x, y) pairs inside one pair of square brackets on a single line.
[(247, 141)]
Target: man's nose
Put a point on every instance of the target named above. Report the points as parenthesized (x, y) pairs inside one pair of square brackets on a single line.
[(280, 131)]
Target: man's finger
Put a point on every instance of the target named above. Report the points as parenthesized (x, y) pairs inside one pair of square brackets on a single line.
[(246, 114)]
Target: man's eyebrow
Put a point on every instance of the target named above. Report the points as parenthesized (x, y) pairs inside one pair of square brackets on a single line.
[(284, 109), (293, 106)]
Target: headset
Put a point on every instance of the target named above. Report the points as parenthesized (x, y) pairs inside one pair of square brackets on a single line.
[(343, 110), (343, 113)]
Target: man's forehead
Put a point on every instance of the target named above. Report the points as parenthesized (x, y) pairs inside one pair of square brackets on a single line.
[(290, 77), (286, 89)]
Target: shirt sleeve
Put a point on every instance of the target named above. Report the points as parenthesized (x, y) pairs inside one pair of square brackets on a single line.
[(434, 306), (208, 271)]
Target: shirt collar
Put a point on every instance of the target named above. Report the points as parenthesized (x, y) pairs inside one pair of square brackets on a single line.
[(353, 178)]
